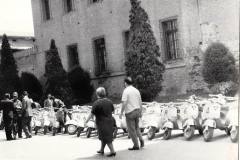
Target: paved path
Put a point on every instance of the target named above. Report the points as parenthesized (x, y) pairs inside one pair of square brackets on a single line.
[(65, 147)]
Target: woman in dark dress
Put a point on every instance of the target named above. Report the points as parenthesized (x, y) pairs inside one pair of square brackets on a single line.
[(102, 109)]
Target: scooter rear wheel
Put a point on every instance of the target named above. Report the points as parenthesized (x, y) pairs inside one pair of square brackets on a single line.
[(89, 131), (71, 129)]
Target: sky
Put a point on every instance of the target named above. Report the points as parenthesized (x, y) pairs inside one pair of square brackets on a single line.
[(16, 18)]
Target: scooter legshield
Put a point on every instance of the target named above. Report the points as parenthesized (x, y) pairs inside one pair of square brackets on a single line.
[(188, 122), (168, 125), (210, 123)]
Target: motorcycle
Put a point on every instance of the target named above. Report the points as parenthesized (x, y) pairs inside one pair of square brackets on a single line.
[(214, 116)]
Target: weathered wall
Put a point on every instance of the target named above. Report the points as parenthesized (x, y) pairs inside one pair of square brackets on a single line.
[(110, 19)]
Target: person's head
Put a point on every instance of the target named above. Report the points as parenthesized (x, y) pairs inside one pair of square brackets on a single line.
[(7, 96), (15, 95), (101, 92), (52, 97), (49, 96), (128, 81), (25, 93)]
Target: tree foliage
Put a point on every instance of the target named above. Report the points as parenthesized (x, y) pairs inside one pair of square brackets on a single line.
[(57, 81), (81, 85), (9, 79), (142, 59), (31, 84), (219, 65)]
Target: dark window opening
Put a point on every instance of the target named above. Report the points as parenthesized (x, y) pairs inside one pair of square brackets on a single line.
[(126, 41), (100, 56), (72, 56), (95, 1), (68, 5), (46, 9), (170, 39)]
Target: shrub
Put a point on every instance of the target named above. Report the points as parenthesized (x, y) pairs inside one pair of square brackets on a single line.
[(9, 80), (142, 59), (31, 84), (57, 81), (81, 85), (219, 65), (226, 88)]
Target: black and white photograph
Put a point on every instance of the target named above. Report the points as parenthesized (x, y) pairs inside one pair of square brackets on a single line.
[(119, 79)]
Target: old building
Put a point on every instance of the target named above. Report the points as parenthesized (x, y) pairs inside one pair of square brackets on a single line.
[(94, 34)]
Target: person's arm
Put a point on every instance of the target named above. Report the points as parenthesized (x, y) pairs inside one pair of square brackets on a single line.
[(124, 103), (90, 116), (141, 109)]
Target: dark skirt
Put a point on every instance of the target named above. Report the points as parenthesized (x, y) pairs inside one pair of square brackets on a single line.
[(105, 128)]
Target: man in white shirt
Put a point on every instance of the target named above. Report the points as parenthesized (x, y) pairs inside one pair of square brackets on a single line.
[(132, 106)]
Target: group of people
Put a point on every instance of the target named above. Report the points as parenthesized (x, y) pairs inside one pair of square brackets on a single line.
[(17, 114), (103, 109)]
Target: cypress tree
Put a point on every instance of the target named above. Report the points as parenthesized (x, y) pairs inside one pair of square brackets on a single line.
[(57, 81), (9, 79), (142, 60)]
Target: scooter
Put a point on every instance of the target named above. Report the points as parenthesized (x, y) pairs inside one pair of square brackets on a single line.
[(153, 119), (214, 116), (233, 128), (192, 118)]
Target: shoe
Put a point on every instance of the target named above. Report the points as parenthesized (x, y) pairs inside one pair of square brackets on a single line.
[(111, 154), (30, 136), (100, 152), (133, 148), (19, 136), (141, 143)]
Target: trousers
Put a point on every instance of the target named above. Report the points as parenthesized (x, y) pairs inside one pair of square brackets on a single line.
[(132, 120), (8, 124), (27, 126)]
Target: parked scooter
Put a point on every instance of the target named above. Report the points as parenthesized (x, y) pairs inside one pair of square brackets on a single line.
[(233, 128), (192, 118), (214, 116)]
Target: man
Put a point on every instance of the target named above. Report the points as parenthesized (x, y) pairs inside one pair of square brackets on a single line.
[(7, 106), (17, 116), (48, 103), (132, 105), (27, 114), (57, 103)]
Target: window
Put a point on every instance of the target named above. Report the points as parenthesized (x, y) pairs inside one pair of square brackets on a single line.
[(72, 51), (68, 5), (126, 40), (100, 56), (95, 1), (170, 39), (45, 9)]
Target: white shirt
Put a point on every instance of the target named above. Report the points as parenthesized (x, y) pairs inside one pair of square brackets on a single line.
[(133, 98)]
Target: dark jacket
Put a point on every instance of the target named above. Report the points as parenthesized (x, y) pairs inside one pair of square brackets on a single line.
[(8, 108)]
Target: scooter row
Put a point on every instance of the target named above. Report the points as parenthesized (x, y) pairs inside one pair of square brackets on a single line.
[(204, 115)]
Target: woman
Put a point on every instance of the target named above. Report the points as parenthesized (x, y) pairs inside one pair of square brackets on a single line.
[(102, 109)]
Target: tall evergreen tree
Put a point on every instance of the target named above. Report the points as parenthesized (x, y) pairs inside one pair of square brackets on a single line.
[(142, 60), (9, 79), (57, 81)]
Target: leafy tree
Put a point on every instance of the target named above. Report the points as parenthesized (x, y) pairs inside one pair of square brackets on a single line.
[(31, 84), (57, 81), (81, 85), (142, 60), (219, 65), (9, 79)]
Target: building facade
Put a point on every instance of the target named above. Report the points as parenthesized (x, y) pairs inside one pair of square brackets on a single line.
[(94, 34)]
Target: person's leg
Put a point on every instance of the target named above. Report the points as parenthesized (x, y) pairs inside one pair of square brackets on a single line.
[(132, 131), (111, 148), (25, 127), (8, 129), (14, 128), (138, 131), (101, 151), (29, 125), (19, 124)]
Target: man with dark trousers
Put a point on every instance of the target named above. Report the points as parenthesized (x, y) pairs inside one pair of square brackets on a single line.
[(7, 106), (17, 121), (27, 114)]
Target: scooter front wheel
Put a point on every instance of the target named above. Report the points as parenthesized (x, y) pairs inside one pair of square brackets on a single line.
[(234, 135), (189, 132), (79, 131), (167, 133), (151, 133), (208, 134), (71, 129)]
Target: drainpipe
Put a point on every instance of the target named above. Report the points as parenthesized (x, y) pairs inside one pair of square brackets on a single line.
[(200, 21)]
